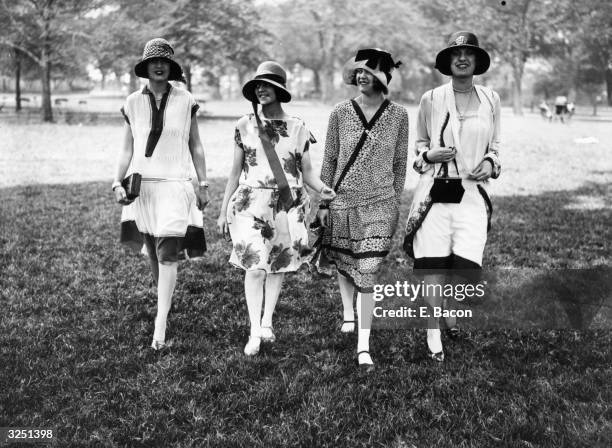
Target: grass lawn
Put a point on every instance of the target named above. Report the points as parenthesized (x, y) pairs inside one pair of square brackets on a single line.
[(78, 320), (78, 314)]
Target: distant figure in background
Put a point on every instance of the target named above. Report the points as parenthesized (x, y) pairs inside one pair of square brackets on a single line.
[(545, 110), (561, 107), (571, 108), (265, 205), (162, 144)]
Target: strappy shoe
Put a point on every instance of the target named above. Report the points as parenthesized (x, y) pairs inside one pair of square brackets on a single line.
[(348, 326), (437, 345), (267, 334), (438, 357), (363, 361), (158, 345), (252, 346), (453, 332)]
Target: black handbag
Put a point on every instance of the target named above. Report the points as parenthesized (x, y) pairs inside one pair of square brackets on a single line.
[(131, 185), (447, 190)]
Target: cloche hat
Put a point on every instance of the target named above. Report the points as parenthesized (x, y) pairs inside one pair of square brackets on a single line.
[(374, 60), (272, 73), (159, 48), (463, 39)]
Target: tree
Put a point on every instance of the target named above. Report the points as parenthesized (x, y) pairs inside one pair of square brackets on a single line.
[(118, 34), (47, 32), (322, 35), (212, 34), (512, 33), (591, 21)]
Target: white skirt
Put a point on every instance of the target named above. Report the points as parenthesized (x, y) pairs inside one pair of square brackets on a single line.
[(165, 209)]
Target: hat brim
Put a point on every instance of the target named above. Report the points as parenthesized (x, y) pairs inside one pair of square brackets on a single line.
[(483, 60), (248, 90), (176, 72), (348, 73)]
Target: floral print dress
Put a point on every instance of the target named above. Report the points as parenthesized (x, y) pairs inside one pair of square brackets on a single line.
[(264, 235)]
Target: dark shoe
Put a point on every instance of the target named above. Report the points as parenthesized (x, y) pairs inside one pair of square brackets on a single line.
[(158, 345), (438, 357), (452, 333)]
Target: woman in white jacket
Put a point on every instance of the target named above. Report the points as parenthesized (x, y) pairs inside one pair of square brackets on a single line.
[(457, 136)]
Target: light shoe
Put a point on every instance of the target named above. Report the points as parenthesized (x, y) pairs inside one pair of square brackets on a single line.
[(267, 334), (348, 326), (365, 360), (434, 344), (252, 346)]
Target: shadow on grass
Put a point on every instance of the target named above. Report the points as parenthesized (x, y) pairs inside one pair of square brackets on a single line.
[(78, 313)]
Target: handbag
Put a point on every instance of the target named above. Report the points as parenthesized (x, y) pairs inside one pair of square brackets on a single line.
[(131, 185), (446, 189)]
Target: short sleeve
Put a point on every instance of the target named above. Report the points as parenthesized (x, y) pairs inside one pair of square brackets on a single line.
[(238, 138), (304, 138)]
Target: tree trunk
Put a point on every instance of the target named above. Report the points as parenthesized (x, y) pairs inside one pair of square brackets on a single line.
[(594, 103), (187, 73), (609, 85), (17, 82), (317, 82), (133, 84), (103, 81), (47, 112), (517, 90), (327, 83), (213, 82)]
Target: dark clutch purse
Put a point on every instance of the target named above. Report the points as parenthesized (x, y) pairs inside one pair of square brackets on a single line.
[(131, 185), (447, 190)]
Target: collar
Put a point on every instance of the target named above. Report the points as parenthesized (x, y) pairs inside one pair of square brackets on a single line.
[(145, 90)]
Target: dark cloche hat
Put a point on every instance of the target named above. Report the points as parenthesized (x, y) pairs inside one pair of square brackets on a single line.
[(272, 73), (158, 48), (463, 39), (376, 61)]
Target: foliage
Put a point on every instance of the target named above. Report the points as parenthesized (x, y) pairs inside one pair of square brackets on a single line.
[(213, 34), (49, 33)]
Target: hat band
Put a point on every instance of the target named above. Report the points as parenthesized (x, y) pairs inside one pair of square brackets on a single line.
[(275, 78)]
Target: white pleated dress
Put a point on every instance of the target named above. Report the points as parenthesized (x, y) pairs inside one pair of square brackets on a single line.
[(166, 206)]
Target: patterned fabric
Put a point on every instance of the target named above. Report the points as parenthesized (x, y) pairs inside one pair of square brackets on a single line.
[(265, 236), (363, 216), (379, 172), (157, 48)]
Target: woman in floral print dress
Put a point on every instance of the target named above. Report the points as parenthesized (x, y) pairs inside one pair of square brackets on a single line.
[(268, 239)]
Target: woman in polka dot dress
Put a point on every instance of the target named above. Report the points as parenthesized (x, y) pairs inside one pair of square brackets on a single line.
[(365, 162)]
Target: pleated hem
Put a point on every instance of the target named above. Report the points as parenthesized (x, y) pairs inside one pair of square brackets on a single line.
[(193, 242)]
